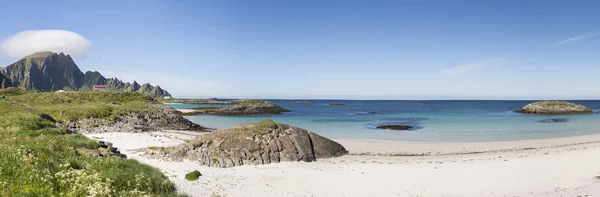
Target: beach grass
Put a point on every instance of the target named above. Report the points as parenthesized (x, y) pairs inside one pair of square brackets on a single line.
[(40, 158), (78, 105)]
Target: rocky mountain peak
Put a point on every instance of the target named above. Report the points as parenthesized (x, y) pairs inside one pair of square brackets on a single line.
[(41, 54), (49, 71)]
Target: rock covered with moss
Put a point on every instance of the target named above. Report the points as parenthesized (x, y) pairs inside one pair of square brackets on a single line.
[(192, 176), (164, 118), (246, 107), (554, 107), (260, 143)]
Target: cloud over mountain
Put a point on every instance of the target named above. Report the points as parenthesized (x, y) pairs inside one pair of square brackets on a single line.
[(31, 41)]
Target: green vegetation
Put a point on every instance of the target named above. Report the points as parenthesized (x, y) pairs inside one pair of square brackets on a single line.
[(38, 158), (264, 126), (13, 92), (244, 131), (192, 176), (251, 102), (166, 100), (77, 105)]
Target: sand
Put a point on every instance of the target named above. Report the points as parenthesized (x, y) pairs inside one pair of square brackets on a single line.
[(187, 110), (544, 167)]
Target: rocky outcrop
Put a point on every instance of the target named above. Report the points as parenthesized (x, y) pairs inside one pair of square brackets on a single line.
[(395, 127), (554, 120), (252, 144), (245, 107), (554, 107), (4, 81), (196, 101), (165, 118), (325, 148)]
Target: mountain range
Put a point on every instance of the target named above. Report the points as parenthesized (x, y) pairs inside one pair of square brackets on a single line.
[(48, 71)]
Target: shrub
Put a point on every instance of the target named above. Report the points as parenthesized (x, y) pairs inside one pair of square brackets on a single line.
[(37, 158), (14, 92), (192, 176)]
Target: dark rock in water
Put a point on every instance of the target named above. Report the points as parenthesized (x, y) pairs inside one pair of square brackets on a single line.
[(252, 144), (554, 120), (395, 127), (303, 102), (554, 107), (364, 113), (337, 104)]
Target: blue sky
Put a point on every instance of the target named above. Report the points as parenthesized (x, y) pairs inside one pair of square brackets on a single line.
[(335, 49)]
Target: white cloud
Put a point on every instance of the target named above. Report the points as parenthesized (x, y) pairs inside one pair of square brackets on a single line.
[(575, 38), (28, 42), (463, 69)]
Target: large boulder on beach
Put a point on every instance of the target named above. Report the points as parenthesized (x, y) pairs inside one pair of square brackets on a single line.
[(554, 107), (253, 144), (246, 107), (326, 148)]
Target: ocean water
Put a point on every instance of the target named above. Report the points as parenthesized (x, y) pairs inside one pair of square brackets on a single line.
[(433, 120)]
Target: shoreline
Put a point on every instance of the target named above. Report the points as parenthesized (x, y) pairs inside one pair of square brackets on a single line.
[(414, 148), (544, 167)]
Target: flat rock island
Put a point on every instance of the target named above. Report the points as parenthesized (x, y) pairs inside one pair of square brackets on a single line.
[(242, 107), (554, 107)]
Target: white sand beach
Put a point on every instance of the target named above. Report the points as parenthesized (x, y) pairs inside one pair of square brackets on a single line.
[(544, 167), (187, 110)]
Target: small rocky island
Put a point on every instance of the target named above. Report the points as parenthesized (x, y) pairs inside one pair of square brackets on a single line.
[(253, 144), (242, 107), (395, 127), (554, 107), (195, 101)]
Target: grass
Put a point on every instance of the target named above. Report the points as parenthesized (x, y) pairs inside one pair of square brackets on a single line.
[(192, 176), (245, 131), (77, 105), (264, 126), (251, 102), (38, 158)]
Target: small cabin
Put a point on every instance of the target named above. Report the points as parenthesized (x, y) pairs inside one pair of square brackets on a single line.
[(100, 88)]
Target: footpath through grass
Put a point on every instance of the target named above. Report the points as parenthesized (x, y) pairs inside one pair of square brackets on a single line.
[(38, 158)]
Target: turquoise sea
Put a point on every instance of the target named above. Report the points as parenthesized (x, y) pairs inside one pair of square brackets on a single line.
[(434, 120)]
